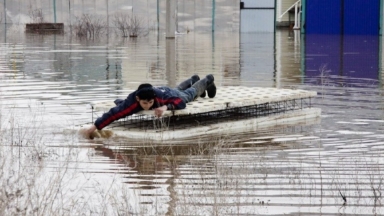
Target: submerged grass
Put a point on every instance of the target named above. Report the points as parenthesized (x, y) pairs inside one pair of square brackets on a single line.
[(221, 175), (37, 179)]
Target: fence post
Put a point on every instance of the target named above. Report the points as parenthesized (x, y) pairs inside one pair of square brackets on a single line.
[(5, 12), (158, 15), (213, 14), (170, 19), (107, 19), (54, 11)]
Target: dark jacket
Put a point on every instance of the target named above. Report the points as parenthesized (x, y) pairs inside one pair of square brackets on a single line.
[(164, 96)]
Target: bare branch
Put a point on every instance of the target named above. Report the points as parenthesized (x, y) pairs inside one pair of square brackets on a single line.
[(36, 15), (128, 25), (89, 26)]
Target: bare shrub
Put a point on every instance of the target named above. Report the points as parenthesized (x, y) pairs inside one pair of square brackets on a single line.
[(36, 15), (135, 26), (89, 26), (128, 25), (120, 20)]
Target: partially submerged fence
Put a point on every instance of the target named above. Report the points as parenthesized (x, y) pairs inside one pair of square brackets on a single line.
[(191, 15)]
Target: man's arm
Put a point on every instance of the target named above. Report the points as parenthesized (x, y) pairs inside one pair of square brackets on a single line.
[(126, 108), (160, 110), (86, 133)]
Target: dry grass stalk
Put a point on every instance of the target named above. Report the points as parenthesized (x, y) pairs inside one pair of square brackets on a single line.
[(36, 179)]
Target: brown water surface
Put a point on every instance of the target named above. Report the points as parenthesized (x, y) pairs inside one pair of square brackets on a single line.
[(48, 84)]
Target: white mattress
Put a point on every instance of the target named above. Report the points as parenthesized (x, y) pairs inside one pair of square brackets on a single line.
[(228, 97)]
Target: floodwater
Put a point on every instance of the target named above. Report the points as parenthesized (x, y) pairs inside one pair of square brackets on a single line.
[(48, 84)]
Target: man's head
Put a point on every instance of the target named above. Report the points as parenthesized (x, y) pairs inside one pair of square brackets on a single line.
[(145, 95)]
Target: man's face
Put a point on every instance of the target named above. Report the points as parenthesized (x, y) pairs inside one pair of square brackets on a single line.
[(145, 104)]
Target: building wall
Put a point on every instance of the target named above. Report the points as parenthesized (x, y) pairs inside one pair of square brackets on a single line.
[(281, 7), (356, 17)]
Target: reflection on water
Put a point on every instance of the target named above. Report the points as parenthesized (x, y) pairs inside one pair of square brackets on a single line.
[(347, 59), (306, 168)]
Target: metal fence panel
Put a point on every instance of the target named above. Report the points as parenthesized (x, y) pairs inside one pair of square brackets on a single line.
[(192, 14), (261, 20), (259, 3)]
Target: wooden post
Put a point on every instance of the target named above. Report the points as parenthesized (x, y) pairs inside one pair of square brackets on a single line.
[(170, 19)]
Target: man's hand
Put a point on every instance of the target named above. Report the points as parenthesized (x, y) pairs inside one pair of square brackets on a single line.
[(86, 133), (160, 110)]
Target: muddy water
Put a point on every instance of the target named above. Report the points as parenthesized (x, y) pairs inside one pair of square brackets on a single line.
[(48, 84)]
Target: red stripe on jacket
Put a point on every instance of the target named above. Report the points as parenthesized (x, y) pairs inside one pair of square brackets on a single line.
[(174, 101), (118, 115)]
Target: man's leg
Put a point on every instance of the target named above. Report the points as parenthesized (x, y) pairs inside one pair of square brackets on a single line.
[(188, 83), (206, 84)]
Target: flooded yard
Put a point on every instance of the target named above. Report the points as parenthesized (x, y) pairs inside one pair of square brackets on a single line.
[(48, 84)]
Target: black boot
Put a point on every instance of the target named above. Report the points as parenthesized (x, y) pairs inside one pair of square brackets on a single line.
[(203, 84), (211, 89), (188, 83)]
